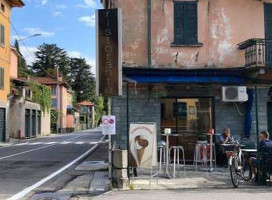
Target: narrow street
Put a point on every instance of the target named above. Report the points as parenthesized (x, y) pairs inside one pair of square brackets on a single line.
[(27, 164)]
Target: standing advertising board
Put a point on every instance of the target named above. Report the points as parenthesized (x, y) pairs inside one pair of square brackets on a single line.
[(142, 145)]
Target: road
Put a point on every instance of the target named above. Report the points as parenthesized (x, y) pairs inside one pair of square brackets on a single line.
[(197, 194), (26, 164)]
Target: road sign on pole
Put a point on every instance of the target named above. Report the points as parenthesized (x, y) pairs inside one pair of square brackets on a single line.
[(108, 125)]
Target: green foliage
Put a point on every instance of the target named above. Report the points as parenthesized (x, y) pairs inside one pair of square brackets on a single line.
[(81, 79), (99, 109), (49, 57), (23, 70), (41, 95)]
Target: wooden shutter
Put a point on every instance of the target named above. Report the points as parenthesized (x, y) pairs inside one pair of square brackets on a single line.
[(185, 22), (268, 32), (2, 76), (2, 34)]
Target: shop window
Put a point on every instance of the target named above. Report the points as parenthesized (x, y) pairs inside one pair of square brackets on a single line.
[(2, 78), (2, 35), (185, 23)]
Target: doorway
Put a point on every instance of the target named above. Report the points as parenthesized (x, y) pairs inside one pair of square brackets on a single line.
[(189, 118)]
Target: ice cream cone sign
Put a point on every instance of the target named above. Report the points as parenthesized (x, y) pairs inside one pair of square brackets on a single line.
[(141, 146)]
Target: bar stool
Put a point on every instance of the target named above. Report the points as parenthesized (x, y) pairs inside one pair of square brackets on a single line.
[(200, 155), (162, 154), (176, 150)]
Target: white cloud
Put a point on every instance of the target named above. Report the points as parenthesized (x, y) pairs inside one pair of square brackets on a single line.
[(57, 14), (28, 53), (88, 20), (88, 4), (90, 61), (37, 30), (61, 6), (43, 2)]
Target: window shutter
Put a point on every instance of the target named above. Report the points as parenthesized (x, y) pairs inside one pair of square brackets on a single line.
[(179, 16), (2, 34), (2, 75), (268, 33), (191, 23), (185, 22)]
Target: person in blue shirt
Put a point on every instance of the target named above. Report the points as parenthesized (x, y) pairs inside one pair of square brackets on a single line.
[(226, 136), (264, 142)]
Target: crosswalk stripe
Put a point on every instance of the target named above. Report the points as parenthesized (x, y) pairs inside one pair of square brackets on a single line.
[(50, 143)]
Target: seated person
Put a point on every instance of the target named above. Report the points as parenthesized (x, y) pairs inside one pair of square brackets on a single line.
[(224, 138), (264, 142)]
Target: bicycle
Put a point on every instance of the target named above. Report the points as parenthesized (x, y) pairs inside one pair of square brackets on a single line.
[(238, 163)]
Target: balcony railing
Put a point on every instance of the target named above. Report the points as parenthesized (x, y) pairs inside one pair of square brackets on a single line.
[(256, 54)]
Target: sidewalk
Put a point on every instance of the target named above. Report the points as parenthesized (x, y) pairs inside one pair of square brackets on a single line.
[(83, 180)]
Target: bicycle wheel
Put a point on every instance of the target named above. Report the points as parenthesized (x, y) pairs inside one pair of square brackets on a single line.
[(246, 170), (234, 174)]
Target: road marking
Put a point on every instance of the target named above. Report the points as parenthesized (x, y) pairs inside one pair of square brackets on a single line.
[(24, 192), (17, 154)]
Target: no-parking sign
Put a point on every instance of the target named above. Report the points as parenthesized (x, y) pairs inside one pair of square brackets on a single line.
[(108, 125)]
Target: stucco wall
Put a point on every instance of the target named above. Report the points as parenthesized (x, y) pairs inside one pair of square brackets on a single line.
[(5, 50), (17, 116), (222, 24), (13, 65), (45, 123)]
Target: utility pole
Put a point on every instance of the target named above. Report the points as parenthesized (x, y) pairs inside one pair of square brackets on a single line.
[(58, 103)]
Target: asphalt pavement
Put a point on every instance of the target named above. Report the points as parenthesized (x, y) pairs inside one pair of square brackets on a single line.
[(24, 165)]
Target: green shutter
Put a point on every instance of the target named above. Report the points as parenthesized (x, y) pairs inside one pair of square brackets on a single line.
[(185, 22), (2, 76), (2, 33), (268, 32)]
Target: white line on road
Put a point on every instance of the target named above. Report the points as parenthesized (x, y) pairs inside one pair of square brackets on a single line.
[(17, 154), (50, 144), (24, 192)]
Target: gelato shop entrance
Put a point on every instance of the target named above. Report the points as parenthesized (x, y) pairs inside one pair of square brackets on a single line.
[(189, 119)]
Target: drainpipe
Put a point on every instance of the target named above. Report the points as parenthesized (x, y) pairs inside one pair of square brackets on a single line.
[(149, 33)]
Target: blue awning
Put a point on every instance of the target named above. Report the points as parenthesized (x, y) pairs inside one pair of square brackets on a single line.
[(179, 76)]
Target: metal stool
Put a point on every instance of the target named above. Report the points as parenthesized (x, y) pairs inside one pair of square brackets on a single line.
[(162, 154), (200, 155), (176, 150), (214, 155)]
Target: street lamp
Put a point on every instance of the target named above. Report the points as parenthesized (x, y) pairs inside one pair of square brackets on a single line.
[(31, 36)]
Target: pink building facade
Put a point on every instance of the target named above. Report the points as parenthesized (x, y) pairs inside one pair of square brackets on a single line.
[(182, 54)]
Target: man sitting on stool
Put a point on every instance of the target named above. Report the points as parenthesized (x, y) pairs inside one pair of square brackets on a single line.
[(264, 142)]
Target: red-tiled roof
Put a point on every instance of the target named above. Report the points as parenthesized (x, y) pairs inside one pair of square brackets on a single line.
[(86, 103), (46, 81)]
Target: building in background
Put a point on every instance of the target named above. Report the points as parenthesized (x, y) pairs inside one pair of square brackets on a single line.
[(26, 119), (5, 51), (87, 115), (61, 97)]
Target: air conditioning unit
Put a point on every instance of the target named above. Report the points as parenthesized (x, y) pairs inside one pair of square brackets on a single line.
[(234, 94)]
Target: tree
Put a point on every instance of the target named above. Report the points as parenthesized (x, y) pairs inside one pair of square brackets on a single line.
[(81, 79), (23, 70), (49, 58)]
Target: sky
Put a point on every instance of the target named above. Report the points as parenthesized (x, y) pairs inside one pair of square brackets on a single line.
[(68, 23)]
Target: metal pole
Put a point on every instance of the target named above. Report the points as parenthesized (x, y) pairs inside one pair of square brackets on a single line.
[(128, 173), (149, 32), (257, 130), (110, 141)]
